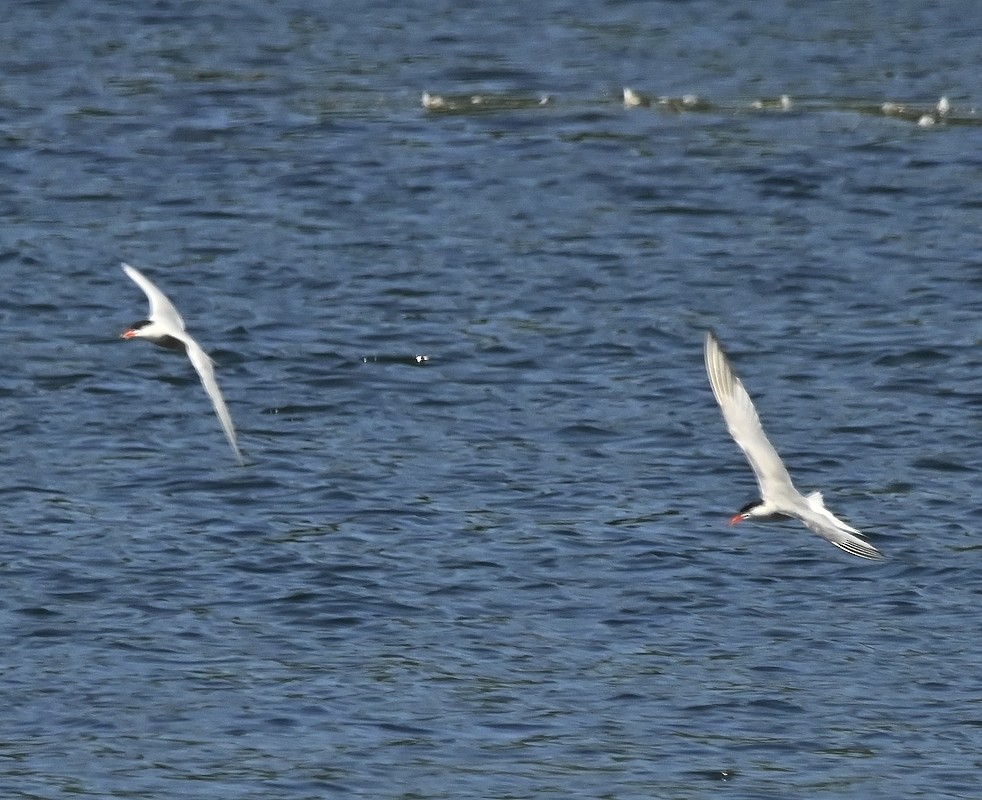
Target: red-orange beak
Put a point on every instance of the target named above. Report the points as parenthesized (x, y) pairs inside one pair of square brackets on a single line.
[(736, 518), (128, 334)]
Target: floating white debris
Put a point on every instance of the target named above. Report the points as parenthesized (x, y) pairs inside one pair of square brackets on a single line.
[(782, 103), (926, 120), (433, 101), (392, 359), (633, 99), (481, 103)]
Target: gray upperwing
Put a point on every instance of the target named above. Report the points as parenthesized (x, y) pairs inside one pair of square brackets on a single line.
[(744, 425), (823, 522), (203, 365), (161, 308)]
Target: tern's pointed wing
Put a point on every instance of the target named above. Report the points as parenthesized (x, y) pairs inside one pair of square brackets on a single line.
[(161, 309), (206, 371), (744, 424), (819, 519)]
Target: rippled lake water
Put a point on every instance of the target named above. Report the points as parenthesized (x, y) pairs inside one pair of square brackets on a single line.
[(505, 571)]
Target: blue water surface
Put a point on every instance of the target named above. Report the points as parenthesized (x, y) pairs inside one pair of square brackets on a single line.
[(502, 571)]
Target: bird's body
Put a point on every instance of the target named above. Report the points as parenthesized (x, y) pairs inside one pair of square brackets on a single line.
[(165, 328), (780, 498)]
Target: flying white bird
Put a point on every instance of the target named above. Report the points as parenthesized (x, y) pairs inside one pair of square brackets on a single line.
[(166, 329), (781, 499)]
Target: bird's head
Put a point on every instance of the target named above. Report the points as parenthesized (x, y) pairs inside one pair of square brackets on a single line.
[(134, 330), (746, 512)]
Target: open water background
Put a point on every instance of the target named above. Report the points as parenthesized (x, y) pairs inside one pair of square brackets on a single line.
[(506, 572)]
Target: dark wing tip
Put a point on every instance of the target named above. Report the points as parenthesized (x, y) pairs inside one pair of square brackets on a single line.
[(861, 550), (712, 341), (712, 337)]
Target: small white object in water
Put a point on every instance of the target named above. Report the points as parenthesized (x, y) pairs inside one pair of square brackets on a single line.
[(433, 101), (926, 121), (690, 100), (944, 107), (783, 103), (632, 99)]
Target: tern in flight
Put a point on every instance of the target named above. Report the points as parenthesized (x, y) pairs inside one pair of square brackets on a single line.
[(781, 499), (166, 329)]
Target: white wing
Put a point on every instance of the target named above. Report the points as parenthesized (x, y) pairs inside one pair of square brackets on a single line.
[(162, 310), (206, 371), (819, 519), (772, 476), (744, 425), (166, 317)]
